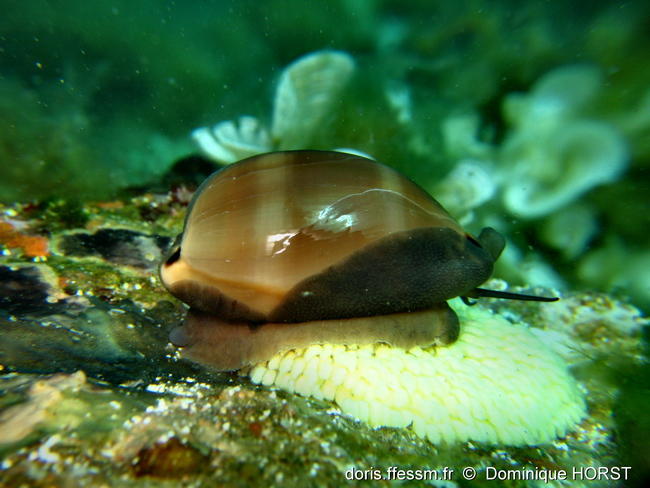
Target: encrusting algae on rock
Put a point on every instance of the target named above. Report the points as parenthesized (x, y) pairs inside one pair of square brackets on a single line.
[(498, 384), (140, 400)]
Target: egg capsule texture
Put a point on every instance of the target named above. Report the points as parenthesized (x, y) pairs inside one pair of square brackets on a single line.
[(317, 236)]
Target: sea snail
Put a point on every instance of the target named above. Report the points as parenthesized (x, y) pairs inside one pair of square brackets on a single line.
[(289, 249)]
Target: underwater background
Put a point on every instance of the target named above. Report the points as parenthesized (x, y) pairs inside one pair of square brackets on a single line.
[(530, 117)]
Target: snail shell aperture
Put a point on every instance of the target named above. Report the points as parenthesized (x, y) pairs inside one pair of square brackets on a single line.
[(290, 249)]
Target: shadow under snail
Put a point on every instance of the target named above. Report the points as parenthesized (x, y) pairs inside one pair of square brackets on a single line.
[(289, 249)]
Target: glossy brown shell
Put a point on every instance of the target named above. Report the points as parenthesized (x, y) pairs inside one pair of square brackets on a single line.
[(308, 235)]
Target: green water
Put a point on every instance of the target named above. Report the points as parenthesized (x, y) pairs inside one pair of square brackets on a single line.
[(530, 117)]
